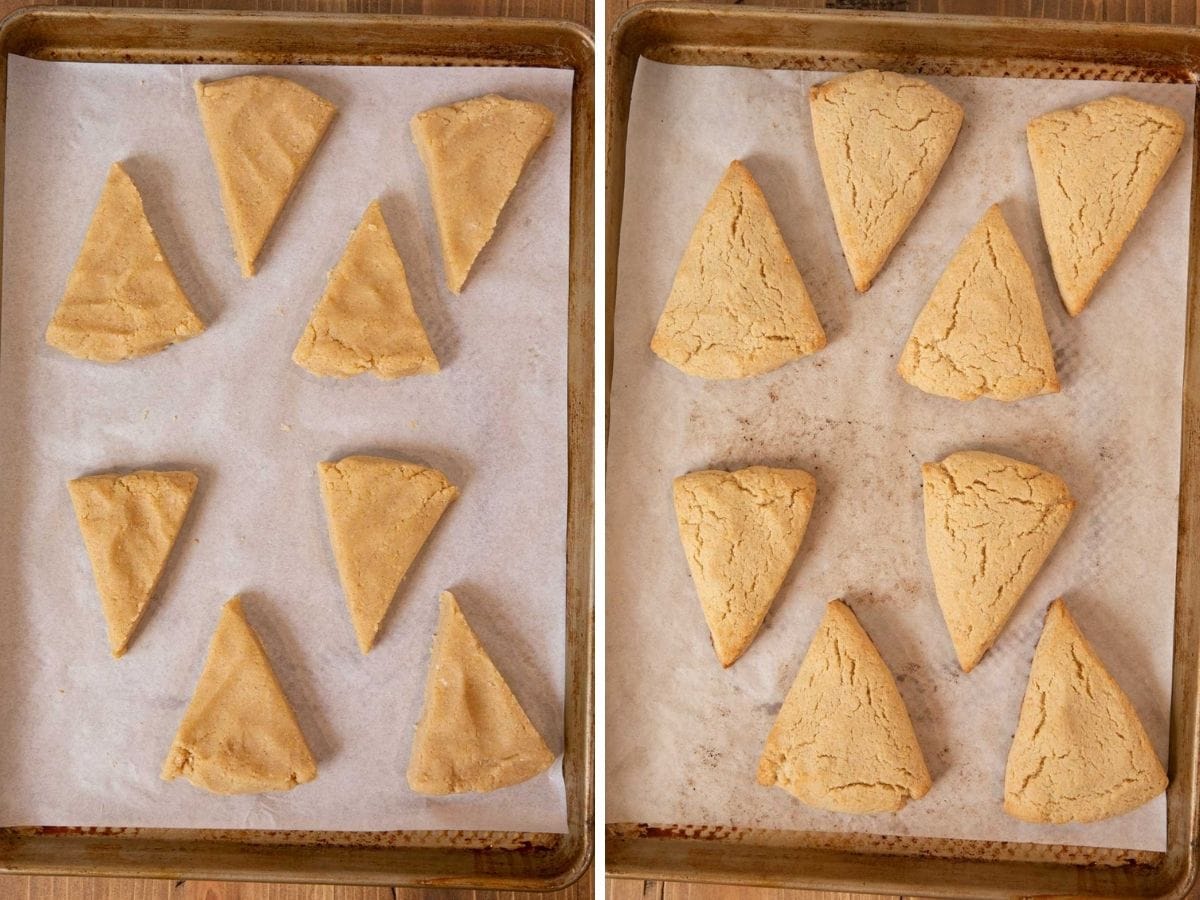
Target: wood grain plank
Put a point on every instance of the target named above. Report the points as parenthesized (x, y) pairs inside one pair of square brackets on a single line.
[(19, 887), (624, 889), (228, 890)]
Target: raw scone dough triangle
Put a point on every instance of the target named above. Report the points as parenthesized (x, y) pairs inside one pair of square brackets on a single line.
[(982, 333), (1096, 167), (129, 524), (262, 131), (882, 139), (740, 531), (473, 734), (380, 513), (239, 734), (738, 306), (1080, 752), (843, 740), (122, 299), (365, 320), (474, 153), (990, 524)]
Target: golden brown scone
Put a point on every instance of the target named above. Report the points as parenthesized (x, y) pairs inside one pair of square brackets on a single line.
[(740, 532), (990, 524), (882, 139), (122, 299), (239, 734), (982, 333), (474, 153), (262, 132), (473, 734), (129, 524), (1096, 167), (380, 513), (738, 306), (1080, 753), (365, 320), (843, 740)]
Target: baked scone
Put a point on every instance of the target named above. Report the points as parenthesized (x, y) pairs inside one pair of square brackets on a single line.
[(1096, 167), (262, 132), (843, 740), (990, 524), (981, 334), (380, 513), (740, 532), (882, 139), (474, 153), (1080, 753), (473, 734), (738, 306), (122, 298), (129, 524), (239, 734), (365, 320)]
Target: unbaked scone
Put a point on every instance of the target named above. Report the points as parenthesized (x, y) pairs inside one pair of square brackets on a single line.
[(474, 153), (843, 740), (473, 734), (882, 139), (239, 734), (380, 513), (740, 532), (262, 132), (129, 524), (1080, 753), (365, 320), (122, 298), (738, 306), (1096, 167), (981, 334), (990, 524)]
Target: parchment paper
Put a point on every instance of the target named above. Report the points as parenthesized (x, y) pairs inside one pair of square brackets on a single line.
[(82, 736), (684, 736)]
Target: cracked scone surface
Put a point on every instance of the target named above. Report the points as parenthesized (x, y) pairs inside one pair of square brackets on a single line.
[(365, 320), (982, 334), (1096, 167), (474, 153), (473, 735), (122, 298), (740, 533), (239, 734), (738, 306), (882, 139), (1080, 753), (990, 524), (380, 513), (843, 740)]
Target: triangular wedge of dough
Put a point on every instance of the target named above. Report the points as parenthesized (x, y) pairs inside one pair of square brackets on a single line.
[(473, 734), (380, 513), (262, 132), (122, 298), (365, 320), (990, 524), (738, 306), (882, 139), (982, 333), (1080, 752), (239, 734), (740, 532), (129, 524), (474, 153), (1096, 167), (843, 740)]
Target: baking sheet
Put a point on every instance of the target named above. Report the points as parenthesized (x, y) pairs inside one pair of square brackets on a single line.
[(683, 736), (82, 736)]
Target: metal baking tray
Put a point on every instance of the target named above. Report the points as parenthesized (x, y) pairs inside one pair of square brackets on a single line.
[(694, 35), (505, 860)]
